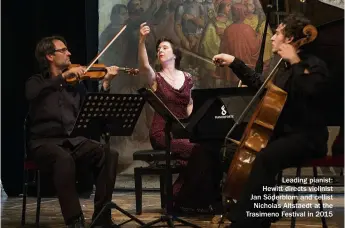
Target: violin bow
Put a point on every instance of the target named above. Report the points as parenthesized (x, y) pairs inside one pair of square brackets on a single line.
[(196, 55), (208, 60), (105, 48)]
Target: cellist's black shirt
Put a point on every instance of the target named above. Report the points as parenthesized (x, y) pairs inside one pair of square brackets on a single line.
[(304, 110)]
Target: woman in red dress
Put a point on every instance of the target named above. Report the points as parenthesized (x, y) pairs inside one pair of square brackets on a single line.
[(197, 187)]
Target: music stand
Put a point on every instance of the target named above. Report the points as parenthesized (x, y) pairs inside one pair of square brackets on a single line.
[(109, 115), (170, 119)]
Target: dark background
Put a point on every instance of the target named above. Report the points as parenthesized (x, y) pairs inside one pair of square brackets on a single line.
[(25, 22)]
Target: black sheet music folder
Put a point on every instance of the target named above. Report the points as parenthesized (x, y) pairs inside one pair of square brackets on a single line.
[(113, 113), (216, 110)]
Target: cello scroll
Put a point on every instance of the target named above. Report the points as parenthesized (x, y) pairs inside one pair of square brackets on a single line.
[(310, 32)]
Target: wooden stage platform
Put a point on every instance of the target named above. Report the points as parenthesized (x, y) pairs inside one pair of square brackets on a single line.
[(51, 215)]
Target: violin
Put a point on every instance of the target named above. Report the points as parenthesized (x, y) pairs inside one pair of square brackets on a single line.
[(98, 71), (260, 127)]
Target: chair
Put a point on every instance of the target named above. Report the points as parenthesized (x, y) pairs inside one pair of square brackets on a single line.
[(30, 165), (153, 157), (327, 161)]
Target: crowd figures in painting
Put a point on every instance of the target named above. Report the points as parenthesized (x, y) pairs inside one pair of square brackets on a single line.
[(206, 28)]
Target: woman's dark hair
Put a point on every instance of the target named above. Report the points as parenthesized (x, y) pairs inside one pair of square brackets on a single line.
[(176, 51), (44, 47), (294, 24)]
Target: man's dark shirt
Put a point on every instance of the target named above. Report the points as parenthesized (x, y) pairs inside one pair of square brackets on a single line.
[(304, 110), (54, 106)]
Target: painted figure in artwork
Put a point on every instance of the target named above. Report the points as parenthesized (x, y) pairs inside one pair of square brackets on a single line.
[(189, 25), (241, 40), (210, 42)]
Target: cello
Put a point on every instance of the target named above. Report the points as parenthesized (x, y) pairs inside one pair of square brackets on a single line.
[(260, 127)]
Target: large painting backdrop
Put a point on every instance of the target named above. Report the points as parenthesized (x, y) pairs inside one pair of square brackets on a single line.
[(205, 27)]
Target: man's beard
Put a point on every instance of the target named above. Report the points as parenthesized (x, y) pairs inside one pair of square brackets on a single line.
[(64, 66)]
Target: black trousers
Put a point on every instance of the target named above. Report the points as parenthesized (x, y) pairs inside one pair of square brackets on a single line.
[(63, 162), (279, 154)]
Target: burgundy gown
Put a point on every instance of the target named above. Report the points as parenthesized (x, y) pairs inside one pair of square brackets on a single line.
[(197, 186)]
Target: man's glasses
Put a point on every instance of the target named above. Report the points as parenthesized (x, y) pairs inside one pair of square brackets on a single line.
[(61, 50)]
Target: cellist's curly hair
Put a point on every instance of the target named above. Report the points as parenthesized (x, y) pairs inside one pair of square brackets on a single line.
[(44, 47), (294, 24)]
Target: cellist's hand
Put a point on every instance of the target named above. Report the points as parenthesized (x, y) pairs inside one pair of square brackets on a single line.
[(288, 53), (223, 59)]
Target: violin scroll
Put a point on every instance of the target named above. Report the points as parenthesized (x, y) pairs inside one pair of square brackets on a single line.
[(131, 71)]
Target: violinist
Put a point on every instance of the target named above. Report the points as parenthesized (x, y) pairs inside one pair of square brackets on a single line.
[(54, 106), (301, 131)]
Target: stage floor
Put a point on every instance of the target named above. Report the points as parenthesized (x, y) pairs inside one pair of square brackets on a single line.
[(51, 215)]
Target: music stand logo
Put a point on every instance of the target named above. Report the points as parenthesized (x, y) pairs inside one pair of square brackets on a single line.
[(223, 114)]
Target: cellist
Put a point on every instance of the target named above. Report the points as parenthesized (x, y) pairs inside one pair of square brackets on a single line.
[(301, 131)]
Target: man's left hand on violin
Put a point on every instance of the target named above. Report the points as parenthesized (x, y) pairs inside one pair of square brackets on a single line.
[(111, 72)]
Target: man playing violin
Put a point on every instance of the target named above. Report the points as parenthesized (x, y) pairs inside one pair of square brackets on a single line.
[(301, 131), (54, 105)]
